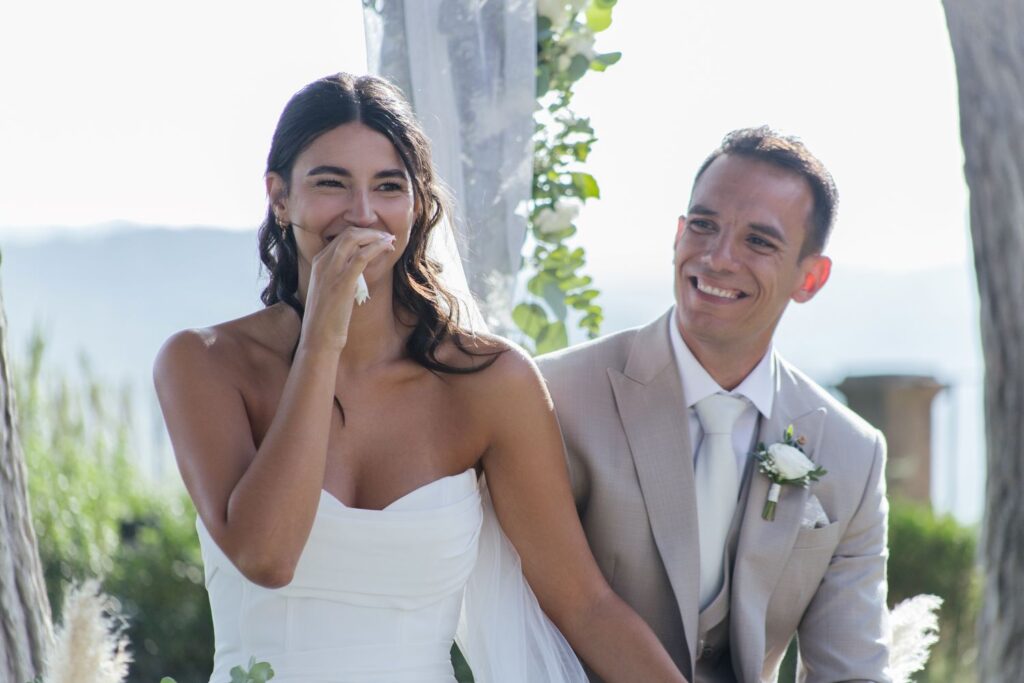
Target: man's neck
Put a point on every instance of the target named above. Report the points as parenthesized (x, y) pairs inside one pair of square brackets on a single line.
[(728, 365)]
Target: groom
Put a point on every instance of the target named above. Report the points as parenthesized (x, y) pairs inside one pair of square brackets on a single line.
[(660, 422)]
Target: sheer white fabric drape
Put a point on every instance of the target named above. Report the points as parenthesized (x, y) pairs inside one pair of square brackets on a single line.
[(468, 68)]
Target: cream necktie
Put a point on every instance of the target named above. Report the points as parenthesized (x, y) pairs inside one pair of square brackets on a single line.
[(717, 482)]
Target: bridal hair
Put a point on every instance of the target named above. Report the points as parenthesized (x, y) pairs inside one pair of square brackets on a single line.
[(321, 106), (765, 144)]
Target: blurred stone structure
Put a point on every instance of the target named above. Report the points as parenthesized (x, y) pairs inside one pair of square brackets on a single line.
[(900, 406)]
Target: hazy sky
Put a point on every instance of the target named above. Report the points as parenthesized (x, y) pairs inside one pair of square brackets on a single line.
[(162, 113)]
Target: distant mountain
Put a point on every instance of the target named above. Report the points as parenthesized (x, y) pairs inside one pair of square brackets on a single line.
[(117, 294)]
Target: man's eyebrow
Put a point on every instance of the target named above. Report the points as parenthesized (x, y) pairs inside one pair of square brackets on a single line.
[(769, 230)]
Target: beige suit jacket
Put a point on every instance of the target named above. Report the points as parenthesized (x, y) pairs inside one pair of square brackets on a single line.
[(623, 417)]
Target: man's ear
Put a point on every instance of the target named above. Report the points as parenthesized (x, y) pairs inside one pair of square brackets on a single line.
[(814, 270), (679, 230)]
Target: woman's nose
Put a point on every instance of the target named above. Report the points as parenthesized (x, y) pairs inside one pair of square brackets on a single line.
[(360, 210)]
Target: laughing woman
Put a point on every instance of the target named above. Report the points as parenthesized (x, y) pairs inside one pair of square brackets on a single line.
[(336, 451)]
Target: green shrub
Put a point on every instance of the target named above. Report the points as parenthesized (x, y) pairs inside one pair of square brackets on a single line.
[(95, 515), (935, 554)]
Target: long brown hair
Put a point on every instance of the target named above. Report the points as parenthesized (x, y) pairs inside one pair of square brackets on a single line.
[(322, 106)]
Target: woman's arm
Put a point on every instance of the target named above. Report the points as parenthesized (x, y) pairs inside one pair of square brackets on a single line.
[(259, 503), (529, 485)]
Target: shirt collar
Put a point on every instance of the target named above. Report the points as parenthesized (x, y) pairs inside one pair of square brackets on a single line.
[(758, 387)]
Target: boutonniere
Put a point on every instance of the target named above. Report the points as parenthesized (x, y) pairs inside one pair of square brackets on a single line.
[(785, 463)]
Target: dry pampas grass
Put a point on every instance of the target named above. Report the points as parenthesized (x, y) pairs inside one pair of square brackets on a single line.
[(914, 625), (90, 646)]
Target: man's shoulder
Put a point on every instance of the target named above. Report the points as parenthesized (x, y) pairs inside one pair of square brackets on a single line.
[(609, 351), (840, 416)]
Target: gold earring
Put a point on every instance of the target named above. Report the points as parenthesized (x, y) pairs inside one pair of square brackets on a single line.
[(281, 224)]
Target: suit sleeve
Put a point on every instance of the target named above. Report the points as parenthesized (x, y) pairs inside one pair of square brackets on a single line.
[(843, 635)]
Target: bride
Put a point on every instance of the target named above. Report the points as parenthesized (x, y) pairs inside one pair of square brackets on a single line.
[(336, 451)]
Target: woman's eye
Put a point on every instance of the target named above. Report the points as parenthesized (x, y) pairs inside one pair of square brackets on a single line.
[(391, 187), (328, 182)]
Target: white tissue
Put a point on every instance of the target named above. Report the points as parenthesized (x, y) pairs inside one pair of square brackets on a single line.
[(362, 291)]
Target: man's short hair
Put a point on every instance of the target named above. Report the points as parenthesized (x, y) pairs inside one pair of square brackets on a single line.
[(765, 144)]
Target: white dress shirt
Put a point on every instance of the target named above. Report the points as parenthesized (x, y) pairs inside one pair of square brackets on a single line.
[(758, 388)]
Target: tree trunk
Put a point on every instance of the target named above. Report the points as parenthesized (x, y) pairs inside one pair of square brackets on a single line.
[(988, 45), (25, 630)]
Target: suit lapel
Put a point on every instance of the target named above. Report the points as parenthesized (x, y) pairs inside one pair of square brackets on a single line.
[(764, 546), (650, 401)]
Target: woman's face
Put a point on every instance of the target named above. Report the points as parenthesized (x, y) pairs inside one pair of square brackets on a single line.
[(351, 176)]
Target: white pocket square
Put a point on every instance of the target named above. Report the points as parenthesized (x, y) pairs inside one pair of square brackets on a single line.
[(814, 516)]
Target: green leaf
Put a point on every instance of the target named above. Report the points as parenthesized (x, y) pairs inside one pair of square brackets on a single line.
[(598, 18), (543, 79), (577, 68), (167, 679), (552, 338), (586, 185), (539, 281), (238, 675), (531, 319), (604, 4), (543, 23), (555, 299), (603, 61), (581, 151), (261, 673)]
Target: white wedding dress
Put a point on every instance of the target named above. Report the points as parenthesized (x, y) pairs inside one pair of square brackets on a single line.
[(378, 595)]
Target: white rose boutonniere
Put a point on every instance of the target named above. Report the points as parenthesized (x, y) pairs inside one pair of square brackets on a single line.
[(785, 463)]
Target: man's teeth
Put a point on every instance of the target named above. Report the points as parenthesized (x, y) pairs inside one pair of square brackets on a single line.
[(715, 291)]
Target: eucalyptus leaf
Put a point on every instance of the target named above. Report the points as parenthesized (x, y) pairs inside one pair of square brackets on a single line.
[(598, 18), (555, 299), (553, 338), (577, 67), (530, 318), (586, 185)]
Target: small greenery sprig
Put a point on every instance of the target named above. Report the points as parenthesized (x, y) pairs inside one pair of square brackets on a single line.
[(562, 143), (257, 672)]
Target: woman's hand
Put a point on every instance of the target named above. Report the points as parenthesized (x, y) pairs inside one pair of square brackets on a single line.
[(332, 286)]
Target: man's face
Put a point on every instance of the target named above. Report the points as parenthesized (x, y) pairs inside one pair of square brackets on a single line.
[(737, 254)]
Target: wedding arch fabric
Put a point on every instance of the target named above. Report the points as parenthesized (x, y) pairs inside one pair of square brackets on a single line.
[(469, 69)]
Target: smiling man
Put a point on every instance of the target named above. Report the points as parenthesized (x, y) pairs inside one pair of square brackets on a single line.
[(661, 423)]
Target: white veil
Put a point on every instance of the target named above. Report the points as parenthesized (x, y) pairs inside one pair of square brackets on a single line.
[(503, 633)]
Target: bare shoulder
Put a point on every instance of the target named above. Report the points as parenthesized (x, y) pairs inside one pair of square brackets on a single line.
[(507, 372), (222, 352)]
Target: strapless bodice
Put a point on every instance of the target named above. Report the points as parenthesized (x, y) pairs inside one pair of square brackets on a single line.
[(375, 596)]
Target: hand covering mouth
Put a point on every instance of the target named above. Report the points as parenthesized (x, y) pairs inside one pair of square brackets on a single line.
[(721, 292)]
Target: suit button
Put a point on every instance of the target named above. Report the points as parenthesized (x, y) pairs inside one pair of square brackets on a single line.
[(706, 652)]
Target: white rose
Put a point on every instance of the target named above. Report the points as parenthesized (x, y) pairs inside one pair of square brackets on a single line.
[(556, 11), (580, 44), (561, 217), (789, 461)]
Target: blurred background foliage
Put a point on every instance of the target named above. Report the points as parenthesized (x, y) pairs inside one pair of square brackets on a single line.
[(97, 515)]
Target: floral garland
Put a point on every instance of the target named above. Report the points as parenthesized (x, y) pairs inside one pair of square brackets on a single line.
[(562, 142)]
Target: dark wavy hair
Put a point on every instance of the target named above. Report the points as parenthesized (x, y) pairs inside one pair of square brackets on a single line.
[(320, 107), (784, 151)]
